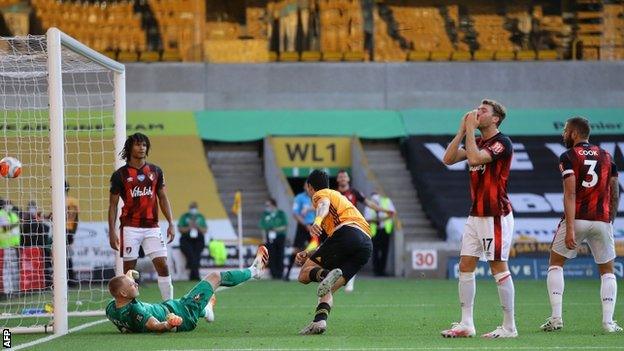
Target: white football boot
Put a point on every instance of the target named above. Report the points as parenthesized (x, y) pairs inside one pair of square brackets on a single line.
[(349, 286), (261, 260), (501, 332), (459, 330), (552, 324), (612, 327), (209, 315)]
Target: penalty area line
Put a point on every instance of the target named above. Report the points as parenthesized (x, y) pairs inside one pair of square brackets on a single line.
[(439, 348)]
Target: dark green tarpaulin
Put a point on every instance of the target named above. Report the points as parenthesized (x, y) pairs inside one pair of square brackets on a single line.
[(255, 125), (238, 126), (518, 121)]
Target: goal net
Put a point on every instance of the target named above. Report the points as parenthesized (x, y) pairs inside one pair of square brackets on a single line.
[(62, 115)]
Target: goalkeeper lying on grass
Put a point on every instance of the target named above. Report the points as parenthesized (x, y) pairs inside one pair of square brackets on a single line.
[(133, 316)]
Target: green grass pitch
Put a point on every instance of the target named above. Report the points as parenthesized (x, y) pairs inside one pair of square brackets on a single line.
[(379, 314)]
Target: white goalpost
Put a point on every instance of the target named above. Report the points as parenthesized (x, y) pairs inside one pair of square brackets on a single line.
[(62, 113)]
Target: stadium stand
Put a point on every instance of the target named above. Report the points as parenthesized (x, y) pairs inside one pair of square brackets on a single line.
[(4, 3), (423, 27), (180, 23), (389, 166), (239, 167), (337, 30), (387, 49), (612, 44), (96, 24), (490, 27), (341, 26)]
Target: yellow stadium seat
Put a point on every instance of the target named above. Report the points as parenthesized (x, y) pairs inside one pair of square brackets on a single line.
[(111, 54), (332, 56), (547, 55), (589, 40), (461, 56), (483, 55), (354, 56), (289, 56), (504, 55), (149, 56), (591, 53), (588, 15), (127, 56), (91, 23), (440, 55), (525, 55), (418, 56), (310, 56), (272, 56), (171, 56)]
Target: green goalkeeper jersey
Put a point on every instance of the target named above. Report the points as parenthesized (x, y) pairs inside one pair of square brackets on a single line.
[(132, 317)]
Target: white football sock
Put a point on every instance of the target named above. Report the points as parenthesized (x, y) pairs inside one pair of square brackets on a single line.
[(608, 294), (555, 284), (253, 270), (506, 294), (467, 290), (166, 288)]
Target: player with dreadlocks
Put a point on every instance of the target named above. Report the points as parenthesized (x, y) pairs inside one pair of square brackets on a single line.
[(141, 186)]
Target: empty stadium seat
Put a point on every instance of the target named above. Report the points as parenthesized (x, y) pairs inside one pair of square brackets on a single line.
[(483, 55), (241, 51), (149, 56), (310, 56), (418, 55), (111, 54), (504, 55), (127, 56), (440, 55), (461, 56), (332, 56), (171, 56), (547, 55), (273, 56), (354, 56), (525, 55), (289, 56)]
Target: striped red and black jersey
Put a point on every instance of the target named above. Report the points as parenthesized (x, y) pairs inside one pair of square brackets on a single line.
[(354, 196), (138, 188), (488, 182), (593, 167)]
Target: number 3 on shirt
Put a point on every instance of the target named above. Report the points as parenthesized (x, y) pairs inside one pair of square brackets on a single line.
[(592, 173)]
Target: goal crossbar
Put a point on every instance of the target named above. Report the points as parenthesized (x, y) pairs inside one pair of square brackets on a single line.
[(79, 48)]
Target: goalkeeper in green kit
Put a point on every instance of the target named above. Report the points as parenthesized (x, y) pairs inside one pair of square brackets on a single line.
[(132, 316)]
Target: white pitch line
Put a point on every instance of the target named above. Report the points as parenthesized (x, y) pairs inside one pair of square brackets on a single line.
[(52, 337), (400, 305), (433, 348)]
